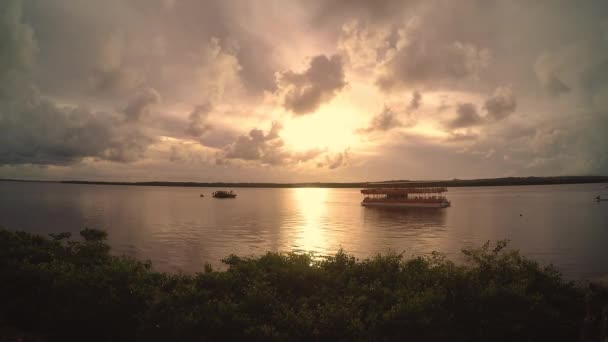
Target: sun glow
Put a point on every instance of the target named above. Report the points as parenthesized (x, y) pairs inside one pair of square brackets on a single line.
[(428, 129), (332, 127), (318, 132)]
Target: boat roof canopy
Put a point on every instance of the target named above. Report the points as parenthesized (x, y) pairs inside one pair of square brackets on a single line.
[(403, 191)]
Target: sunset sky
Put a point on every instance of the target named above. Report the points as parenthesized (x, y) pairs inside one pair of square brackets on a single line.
[(298, 91)]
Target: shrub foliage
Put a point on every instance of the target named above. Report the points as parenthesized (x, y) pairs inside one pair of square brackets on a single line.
[(58, 289)]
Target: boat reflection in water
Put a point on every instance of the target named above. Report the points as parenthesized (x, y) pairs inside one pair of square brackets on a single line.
[(413, 231), (405, 197), (404, 217)]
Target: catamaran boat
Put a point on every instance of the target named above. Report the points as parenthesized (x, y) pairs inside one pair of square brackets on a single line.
[(224, 194), (405, 197)]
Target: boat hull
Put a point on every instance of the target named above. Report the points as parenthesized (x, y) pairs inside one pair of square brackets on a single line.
[(224, 196), (405, 204)]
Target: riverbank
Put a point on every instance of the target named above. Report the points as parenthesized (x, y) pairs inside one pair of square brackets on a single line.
[(66, 289), (506, 181)]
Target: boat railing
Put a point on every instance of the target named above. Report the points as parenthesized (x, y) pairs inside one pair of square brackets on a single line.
[(403, 191)]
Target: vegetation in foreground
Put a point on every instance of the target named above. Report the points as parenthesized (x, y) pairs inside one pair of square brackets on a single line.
[(58, 289)]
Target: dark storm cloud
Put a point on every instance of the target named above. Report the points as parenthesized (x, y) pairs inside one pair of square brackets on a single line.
[(466, 116), (17, 43), (38, 131), (549, 69), (226, 20), (555, 86), (383, 121), (197, 121), (594, 80), (141, 104), (501, 104), (114, 81), (330, 11), (107, 49), (305, 92)]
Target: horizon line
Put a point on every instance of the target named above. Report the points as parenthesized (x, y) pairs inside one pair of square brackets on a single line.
[(497, 181)]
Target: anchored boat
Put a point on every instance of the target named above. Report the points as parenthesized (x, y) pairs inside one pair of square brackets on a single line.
[(405, 197), (224, 194)]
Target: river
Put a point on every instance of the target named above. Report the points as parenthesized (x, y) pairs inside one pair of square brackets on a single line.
[(178, 230)]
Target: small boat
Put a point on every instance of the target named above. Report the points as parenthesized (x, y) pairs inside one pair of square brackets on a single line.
[(223, 194), (405, 197)]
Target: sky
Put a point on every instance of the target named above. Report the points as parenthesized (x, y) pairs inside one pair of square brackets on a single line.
[(302, 91)]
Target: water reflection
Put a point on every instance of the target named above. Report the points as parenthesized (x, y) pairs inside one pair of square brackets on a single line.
[(409, 218), (179, 230), (413, 231), (312, 211)]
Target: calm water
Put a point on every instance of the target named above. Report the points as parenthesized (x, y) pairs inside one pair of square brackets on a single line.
[(178, 230)]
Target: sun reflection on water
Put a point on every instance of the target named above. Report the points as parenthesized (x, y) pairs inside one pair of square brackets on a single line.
[(312, 212)]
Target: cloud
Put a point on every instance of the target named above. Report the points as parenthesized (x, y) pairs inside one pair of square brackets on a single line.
[(305, 92), (466, 116), (66, 66), (38, 131), (328, 12), (266, 148), (307, 155), (197, 120), (191, 51), (115, 81), (416, 61), (547, 68), (35, 129), (415, 101), (188, 153), (18, 46), (140, 105), (111, 74), (497, 107), (363, 46), (219, 70), (443, 104), (218, 137), (501, 104), (383, 121), (334, 161), (459, 137)]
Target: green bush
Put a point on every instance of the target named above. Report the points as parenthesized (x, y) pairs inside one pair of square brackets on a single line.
[(64, 290)]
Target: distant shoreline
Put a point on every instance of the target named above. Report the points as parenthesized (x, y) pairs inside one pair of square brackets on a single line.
[(506, 181)]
